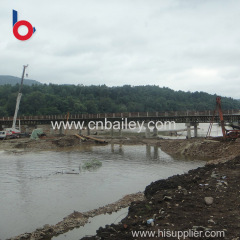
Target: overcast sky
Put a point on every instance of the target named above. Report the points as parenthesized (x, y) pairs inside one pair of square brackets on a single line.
[(190, 45)]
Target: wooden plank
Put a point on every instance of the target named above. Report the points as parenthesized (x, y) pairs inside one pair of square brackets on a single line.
[(80, 137), (95, 139)]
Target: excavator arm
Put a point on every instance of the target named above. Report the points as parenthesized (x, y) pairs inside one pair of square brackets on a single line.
[(219, 108), (227, 134)]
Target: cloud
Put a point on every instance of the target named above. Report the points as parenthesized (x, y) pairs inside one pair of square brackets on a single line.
[(182, 44)]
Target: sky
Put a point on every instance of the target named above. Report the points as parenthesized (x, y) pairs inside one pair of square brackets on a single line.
[(189, 45)]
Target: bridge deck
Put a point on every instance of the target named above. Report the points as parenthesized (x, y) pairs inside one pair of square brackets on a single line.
[(178, 117)]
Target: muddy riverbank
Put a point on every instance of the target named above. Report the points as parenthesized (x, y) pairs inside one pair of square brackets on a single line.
[(199, 148), (213, 151), (205, 199), (193, 148), (65, 142)]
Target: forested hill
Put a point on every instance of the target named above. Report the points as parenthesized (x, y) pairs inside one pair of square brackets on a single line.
[(5, 79), (60, 99)]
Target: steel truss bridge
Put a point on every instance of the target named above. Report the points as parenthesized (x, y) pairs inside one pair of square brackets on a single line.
[(178, 117)]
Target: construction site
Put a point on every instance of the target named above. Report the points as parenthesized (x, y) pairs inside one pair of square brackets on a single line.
[(208, 140), (120, 120)]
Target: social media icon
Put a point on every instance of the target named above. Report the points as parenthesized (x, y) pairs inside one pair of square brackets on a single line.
[(17, 24)]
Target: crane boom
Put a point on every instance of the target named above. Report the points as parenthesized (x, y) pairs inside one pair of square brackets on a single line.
[(227, 134), (219, 108), (18, 98)]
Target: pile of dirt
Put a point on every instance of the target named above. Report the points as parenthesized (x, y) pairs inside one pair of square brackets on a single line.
[(44, 144), (66, 141), (60, 142), (201, 148), (205, 199)]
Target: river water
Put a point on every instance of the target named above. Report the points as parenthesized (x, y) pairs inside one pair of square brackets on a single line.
[(37, 188)]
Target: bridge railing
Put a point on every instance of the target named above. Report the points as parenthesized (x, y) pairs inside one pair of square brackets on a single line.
[(122, 115)]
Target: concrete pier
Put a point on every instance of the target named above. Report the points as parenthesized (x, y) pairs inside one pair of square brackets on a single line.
[(155, 131), (112, 131), (120, 132), (60, 130), (147, 131), (88, 130), (80, 131), (189, 125), (195, 129)]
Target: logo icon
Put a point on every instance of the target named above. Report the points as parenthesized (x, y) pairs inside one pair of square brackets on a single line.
[(17, 24)]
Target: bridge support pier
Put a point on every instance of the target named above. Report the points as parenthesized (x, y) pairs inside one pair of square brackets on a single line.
[(80, 131), (112, 147), (147, 131), (27, 129), (189, 125), (88, 130), (51, 130), (155, 131), (111, 131), (61, 130), (120, 132), (195, 129)]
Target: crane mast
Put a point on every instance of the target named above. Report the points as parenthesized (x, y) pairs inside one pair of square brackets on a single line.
[(18, 98)]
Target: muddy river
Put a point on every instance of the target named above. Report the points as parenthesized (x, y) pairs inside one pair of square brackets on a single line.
[(43, 187)]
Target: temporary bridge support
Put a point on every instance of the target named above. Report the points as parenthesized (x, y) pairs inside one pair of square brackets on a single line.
[(147, 131), (189, 125)]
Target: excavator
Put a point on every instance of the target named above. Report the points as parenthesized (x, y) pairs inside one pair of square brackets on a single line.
[(231, 135)]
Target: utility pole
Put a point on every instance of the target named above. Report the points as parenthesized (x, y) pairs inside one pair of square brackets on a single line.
[(18, 99)]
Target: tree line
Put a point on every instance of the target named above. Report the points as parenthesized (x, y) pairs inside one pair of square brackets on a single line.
[(59, 99)]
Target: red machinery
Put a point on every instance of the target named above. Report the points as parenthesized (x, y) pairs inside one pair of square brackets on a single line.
[(227, 134)]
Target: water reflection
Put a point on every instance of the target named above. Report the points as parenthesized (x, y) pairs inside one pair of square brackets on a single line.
[(94, 224), (152, 152), (117, 148), (22, 180)]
